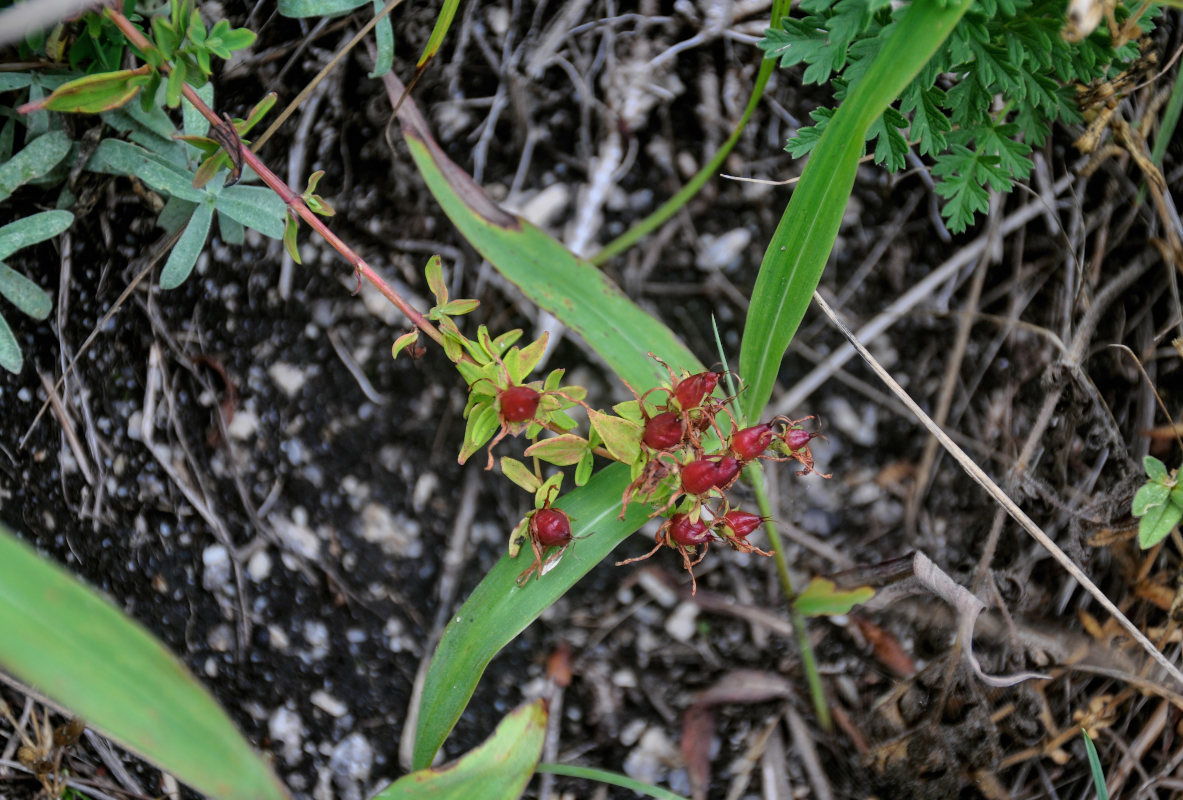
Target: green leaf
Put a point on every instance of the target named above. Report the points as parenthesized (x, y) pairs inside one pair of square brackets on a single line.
[(73, 646), (546, 271), (1158, 523), (384, 38), (37, 158), (24, 294), (562, 450), (93, 94), (184, 254), (255, 207), (610, 778), (443, 21), (803, 240), (1155, 469), (500, 768), (1099, 785), (10, 350), (291, 229), (822, 598), (520, 474), (1149, 496), (482, 424), (622, 437), (32, 229), (402, 342), (583, 469), (318, 8), (498, 609), (434, 271)]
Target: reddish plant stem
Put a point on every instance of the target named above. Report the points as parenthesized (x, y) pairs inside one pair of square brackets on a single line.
[(294, 201)]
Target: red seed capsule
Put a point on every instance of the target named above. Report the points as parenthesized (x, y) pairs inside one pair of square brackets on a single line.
[(519, 404), (663, 431), (740, 523), (683, 531), (691, 390), (726, 470), (750, 443), (699, 477), (550, 527), (796, 438)]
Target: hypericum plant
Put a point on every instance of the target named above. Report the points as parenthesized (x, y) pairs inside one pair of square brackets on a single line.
[(1158, 504), (985, 99), (680, 459)]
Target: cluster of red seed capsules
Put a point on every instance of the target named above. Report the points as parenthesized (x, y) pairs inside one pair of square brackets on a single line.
[(674, 460)]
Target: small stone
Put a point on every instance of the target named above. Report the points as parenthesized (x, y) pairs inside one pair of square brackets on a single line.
[(397, 535), (244, 425), (259, 566), (286, 727), (723, 252), (289, 378), (327, 703), (681, 624), (652, 757), (351, 762), (221, 639), (215, 561), (297, 536)]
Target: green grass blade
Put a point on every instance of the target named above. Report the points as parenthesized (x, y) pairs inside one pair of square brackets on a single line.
[(500, 768), (1095, 767), (546, 271), (442, 23), (68, 643), (498, 609), (610, 778), (683, 195), (801, 245)]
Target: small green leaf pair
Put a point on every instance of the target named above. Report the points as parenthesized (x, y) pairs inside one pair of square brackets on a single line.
[(19, 290), (1158, 504), (182, 40)]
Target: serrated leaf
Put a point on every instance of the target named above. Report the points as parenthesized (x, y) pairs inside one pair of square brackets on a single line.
[(24, 293), (520, 474), (562, 450), (32, 229), (622, 437), (404, 341), (10, 350), (500, 768), (184, 254), (822, 598), (34, 160), (1148, 497), (1155, 469), (804, 238), (1157, 524)]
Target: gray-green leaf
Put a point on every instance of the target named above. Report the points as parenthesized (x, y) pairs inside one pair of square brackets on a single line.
[(255, 207), (318, 8), (34, 160), (1155, 469), (1157, 524), (32, 229), (23, 293), (115, 157), (10, 351), (188, 248)]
